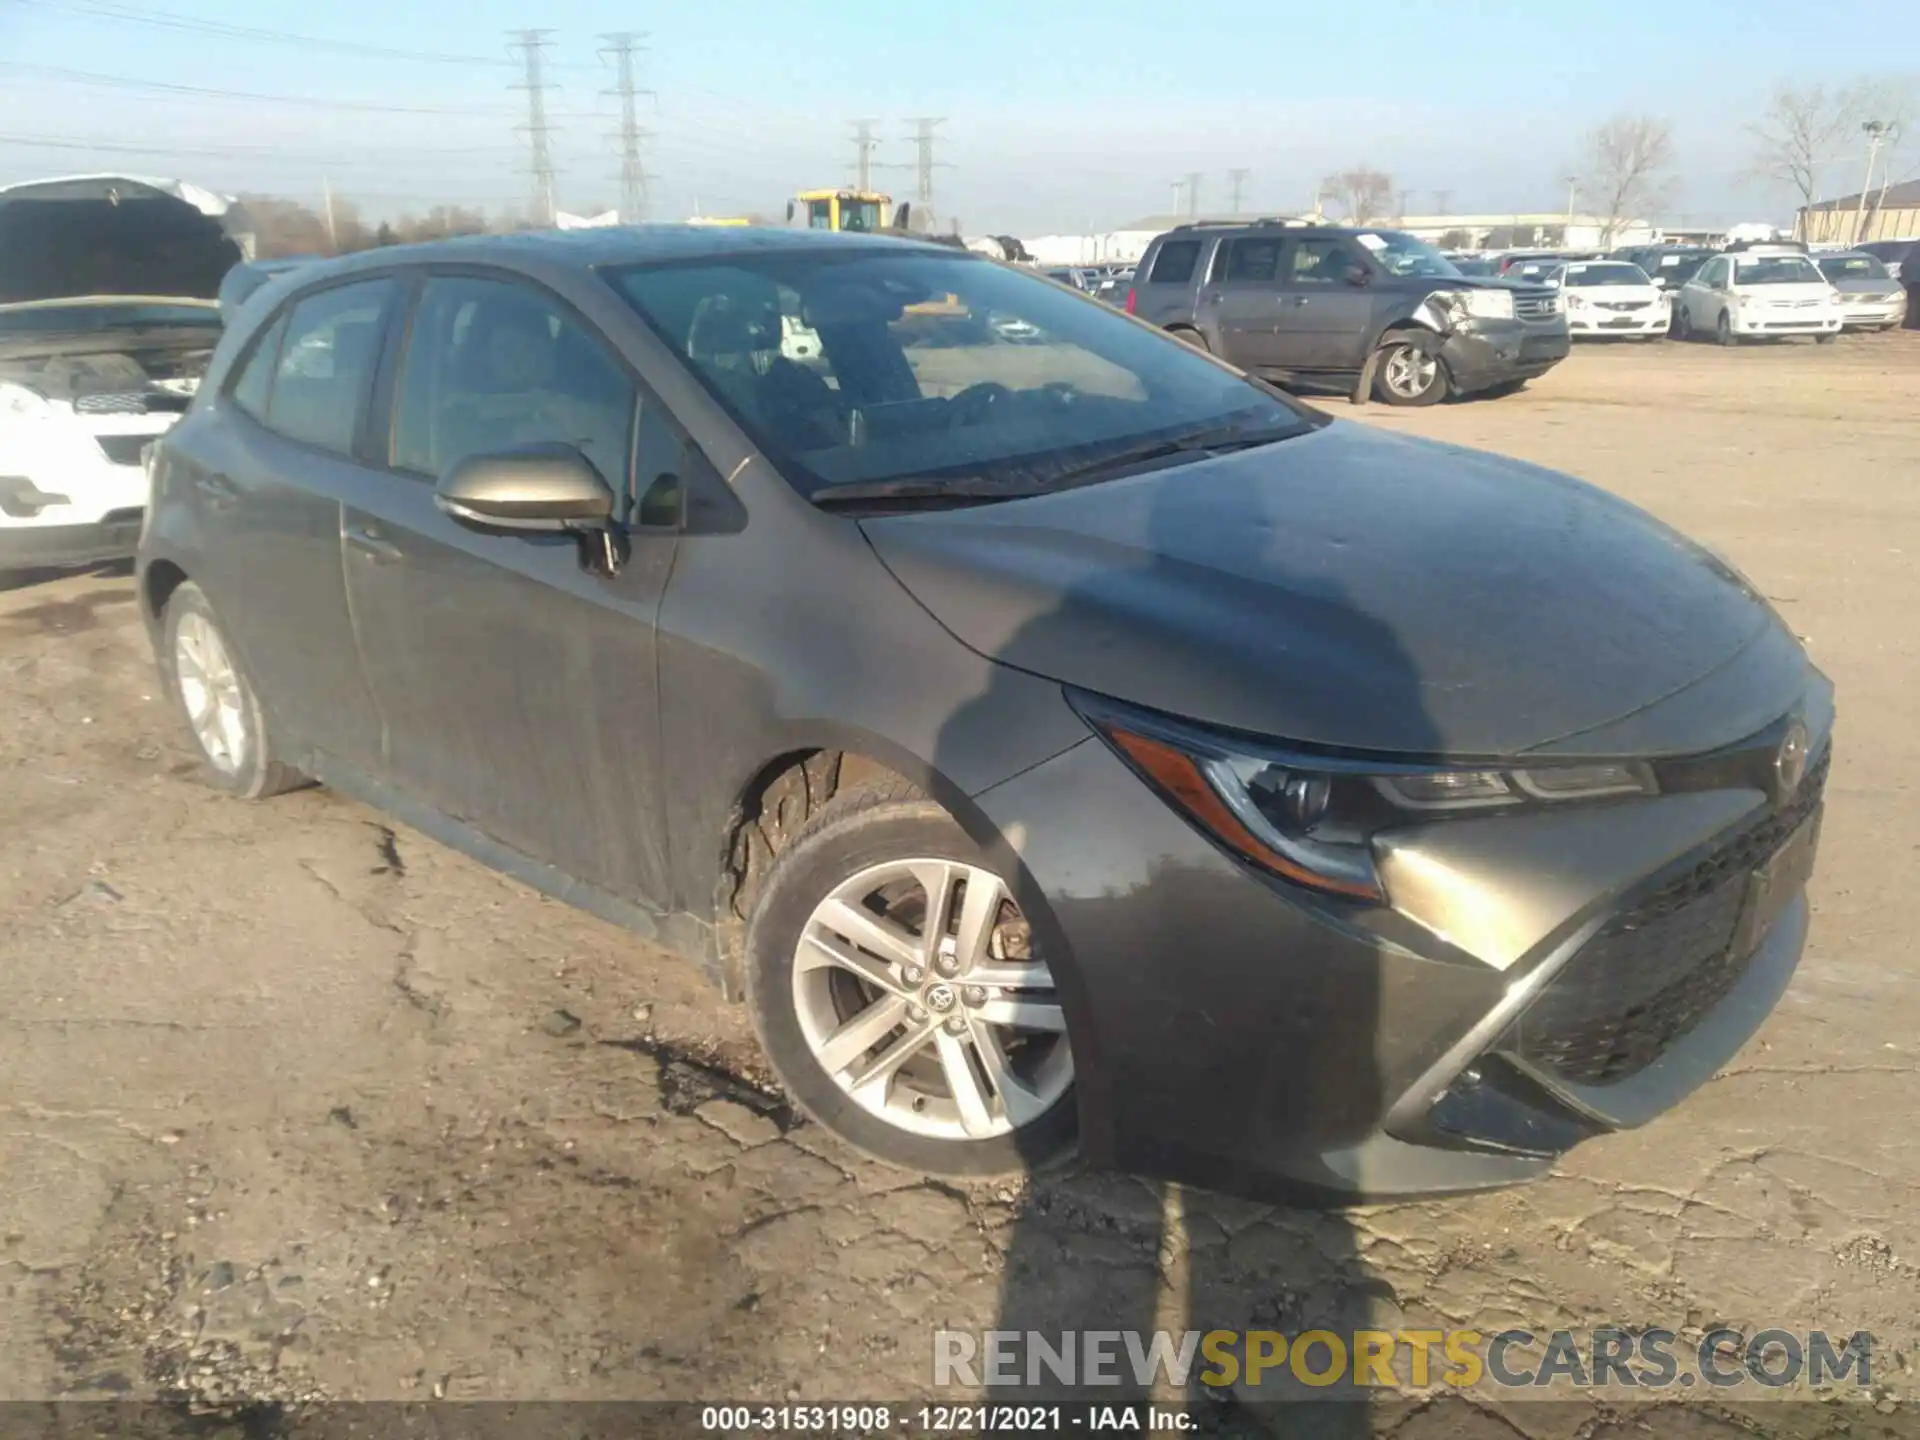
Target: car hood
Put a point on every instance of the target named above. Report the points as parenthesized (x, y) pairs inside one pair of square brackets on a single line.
[(1359, 590), (1791, 294), (111, 235), (1867, 285)]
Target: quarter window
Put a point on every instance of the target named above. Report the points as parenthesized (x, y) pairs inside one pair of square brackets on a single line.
[(325, 364), (1174, 264), (493, 366), (254, 388)]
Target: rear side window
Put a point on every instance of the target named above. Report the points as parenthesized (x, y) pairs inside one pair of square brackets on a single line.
[(493, 366), (1252, 260), (255, 385), (326, 362), (1174, 264)]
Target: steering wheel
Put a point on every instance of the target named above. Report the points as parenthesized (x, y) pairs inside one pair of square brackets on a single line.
[(973, 404)]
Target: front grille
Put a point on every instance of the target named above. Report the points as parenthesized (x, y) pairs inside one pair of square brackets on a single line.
[(1654, 971), (124, 449), (125, 402), (1624, 304), (1536, 305)]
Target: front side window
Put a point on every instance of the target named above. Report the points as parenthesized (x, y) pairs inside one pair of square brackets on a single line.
[(493, 366), (862, 215), (326, 363), (820, 214), (1320, 262), (932, 368)]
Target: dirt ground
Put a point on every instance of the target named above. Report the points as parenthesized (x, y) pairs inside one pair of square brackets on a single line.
[(294, 1104)]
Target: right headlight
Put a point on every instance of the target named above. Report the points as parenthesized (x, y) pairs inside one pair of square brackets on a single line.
[(1494, 304), (1311, 819), (17, 402)]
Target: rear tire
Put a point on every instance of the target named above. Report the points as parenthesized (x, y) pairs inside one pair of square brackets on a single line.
[(1409, 373), (216, 698), (867, 1012)]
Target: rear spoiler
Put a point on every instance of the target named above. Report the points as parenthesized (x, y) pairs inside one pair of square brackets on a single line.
[(244, 279)]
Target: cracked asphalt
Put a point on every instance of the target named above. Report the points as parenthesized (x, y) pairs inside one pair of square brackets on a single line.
[(296, 1104)]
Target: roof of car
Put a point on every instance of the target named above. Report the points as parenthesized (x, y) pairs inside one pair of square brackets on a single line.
[(626, 245)]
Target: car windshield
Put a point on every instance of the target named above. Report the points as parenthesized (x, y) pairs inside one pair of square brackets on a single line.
[(1776, 270), (96, 319), (1578, 277), (1473, 265), (1402, 254), (1853, 267), (939, 369)]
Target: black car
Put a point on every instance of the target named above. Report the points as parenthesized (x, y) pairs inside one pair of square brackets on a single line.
[(1065, 741), (1292, 302)]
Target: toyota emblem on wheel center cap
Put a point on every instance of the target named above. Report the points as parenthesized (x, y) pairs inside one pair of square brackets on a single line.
[(940, 997), (1790, 765)]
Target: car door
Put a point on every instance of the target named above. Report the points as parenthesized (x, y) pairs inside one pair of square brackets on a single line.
[(1239, 305), (1703, 294), (1324, 316), (266, 481), (516, 673)]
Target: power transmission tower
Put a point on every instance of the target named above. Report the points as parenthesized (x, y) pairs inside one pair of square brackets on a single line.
[(864, 144), (924, 164), (540, 158), (1193, 194), (1401, 197), (622, 46), (1443, 202), (1236, 184)]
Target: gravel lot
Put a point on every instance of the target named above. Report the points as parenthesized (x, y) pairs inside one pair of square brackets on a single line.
[(295, 1104)]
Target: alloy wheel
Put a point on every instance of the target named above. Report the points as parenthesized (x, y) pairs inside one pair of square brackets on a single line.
[(211, 690), (1409, 371), (919, 992)]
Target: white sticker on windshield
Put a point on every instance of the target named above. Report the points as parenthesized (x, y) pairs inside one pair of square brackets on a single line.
[(1372, 242), (1576, 270)]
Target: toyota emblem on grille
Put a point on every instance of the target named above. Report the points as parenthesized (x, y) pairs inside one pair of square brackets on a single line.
[(1790, 765)]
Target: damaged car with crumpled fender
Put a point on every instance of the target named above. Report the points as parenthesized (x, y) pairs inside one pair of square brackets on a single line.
[(108, 317)]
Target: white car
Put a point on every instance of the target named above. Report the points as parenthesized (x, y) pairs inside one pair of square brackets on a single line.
[(1763, 292), (1613, 297), (107, 322)]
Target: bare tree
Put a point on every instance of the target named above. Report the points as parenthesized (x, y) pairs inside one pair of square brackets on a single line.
[(1798, 137), (1366, 193), (1625, 165)]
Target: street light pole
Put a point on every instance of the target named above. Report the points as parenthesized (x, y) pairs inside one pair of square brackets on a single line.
[(1876, 131)]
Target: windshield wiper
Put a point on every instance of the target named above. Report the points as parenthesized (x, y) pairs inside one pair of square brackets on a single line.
[(964, 490), (1197, 444)]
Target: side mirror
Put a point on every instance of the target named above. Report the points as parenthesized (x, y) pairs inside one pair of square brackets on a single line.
[(902, 215), (789, 212), (537, 489)]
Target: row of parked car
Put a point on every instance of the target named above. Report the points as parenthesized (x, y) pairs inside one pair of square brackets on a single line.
[(1745, 292)]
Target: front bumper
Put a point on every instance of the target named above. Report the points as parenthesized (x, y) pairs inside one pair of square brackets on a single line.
[(1656, 319), (1234, 1032), (112, 537), (1875, 316), (1752, 320), (1485, 353)]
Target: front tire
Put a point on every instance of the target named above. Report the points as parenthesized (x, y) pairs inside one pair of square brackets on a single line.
[(203, 673), (1188, 335), (1409, 373), (1825, 339), (1723, 330), (896, 989)]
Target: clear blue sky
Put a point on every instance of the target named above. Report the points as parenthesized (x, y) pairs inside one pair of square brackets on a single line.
[(1058, 116)]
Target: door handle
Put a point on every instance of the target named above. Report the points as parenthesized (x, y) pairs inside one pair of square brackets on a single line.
[(370, 544), (219, 490)]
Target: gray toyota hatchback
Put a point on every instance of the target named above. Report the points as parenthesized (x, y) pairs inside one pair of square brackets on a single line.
[(1053, 736)]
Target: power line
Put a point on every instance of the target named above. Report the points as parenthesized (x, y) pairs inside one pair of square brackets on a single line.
[(163, 87), (277, 152), (169, 20), (622, 45), (864, 144), (530, 44)]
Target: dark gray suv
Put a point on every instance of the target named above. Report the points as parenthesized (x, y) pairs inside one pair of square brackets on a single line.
[(1323, 304), (1050, 739)]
